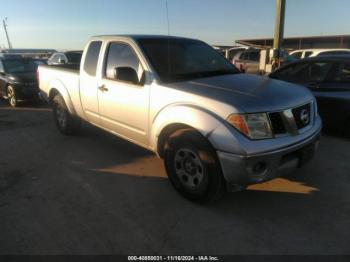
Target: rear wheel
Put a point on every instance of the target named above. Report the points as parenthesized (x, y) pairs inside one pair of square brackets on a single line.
[(66, 123), (193, 167), (11, 96)]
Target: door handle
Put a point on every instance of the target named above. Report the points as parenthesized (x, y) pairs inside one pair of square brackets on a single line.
[(103, 88)]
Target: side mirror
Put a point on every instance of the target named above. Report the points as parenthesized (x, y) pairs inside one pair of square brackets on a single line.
[(126, 74)]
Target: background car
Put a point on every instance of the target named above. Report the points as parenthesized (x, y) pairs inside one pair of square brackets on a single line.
[(232, 52), (18, 79), (329, 79), (301, 54), (70, 57), (40, 61), (248, 61)]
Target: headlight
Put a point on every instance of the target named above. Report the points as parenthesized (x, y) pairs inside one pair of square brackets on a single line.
[(254, 126)]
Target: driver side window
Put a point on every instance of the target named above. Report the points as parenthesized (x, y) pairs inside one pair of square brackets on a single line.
[(122, 55)]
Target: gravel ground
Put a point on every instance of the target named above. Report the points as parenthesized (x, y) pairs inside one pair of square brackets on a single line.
[(98, 194)]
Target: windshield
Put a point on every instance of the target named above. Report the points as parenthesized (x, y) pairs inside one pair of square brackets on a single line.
[(19, 66), (74, 58), (184, 59)]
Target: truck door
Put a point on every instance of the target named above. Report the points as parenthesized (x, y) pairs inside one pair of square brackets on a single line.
[(124, 105), (89, 82)]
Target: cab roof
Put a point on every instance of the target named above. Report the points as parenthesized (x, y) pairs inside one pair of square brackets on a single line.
[(138, 37)]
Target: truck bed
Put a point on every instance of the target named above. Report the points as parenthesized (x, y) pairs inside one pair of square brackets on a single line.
[(64, 78), (65, 67)]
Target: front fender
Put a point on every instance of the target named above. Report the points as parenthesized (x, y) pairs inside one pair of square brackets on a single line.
[(58, 86), (219, 133)]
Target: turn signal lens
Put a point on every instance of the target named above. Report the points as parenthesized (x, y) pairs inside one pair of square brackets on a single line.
[(239, 123)]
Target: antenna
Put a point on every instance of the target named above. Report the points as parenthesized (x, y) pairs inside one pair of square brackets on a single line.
[(7, 35), (167, 16)]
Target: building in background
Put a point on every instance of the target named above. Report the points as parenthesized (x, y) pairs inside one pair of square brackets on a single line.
[(303, 42), (33, 53)]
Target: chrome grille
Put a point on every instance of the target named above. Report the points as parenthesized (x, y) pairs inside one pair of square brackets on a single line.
[(277, 123), (302, 115), (293, 121)]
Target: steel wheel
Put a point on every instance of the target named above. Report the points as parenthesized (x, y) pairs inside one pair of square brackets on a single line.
[(66, 123), (193, 167), (61, 115), (189, 168), (11, 96)]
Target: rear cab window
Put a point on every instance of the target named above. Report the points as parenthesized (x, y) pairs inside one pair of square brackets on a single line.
[(91, 58)]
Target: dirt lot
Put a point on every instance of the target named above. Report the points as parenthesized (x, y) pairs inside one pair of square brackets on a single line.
[(97, 194)]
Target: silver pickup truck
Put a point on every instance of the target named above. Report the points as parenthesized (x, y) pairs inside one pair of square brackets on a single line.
[(216, 129)]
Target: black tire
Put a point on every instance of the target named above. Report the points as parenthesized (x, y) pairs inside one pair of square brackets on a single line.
[(12, 96), (65, 122), (193, 167)]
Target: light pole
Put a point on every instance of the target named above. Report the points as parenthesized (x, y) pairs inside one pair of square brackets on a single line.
[(7, 35), (279, 28)]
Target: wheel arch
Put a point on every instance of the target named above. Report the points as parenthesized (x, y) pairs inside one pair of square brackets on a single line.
[(166, 133), (57, 88), (206, 123)]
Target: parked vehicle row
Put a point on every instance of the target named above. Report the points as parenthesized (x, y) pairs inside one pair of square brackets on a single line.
[(247, 61), (18, 80), (215, 129), (233, 52), (305, 53)]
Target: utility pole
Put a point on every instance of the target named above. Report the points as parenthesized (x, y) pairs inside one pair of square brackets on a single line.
[(279, 28), (7, 35)]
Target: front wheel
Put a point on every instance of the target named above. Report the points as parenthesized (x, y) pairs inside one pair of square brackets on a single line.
[(66, 123), (12, 96), (193, 167)]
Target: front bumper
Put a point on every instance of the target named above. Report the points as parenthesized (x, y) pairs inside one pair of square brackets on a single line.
[(245, 170)]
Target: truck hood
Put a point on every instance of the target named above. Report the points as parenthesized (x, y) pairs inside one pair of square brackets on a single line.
[(248, 93)]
